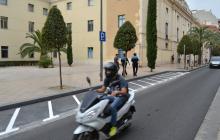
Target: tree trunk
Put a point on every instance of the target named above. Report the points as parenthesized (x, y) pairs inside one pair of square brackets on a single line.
[(189, 60), (184, 61), (61, 84), (200, 54)]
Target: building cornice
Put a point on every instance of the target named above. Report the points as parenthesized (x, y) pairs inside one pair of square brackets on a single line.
[(184, 11)]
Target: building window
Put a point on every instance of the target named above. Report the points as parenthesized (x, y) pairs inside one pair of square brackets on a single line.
[(177, 34), (69, 6), (91, 3), (166, 31), (3, 2), (31, 26), (4, 22), (121, 20), (178, 18), (90, 25), (55, 54), (45, 11), (4, 51), (167, 10), (31, 55), (166, 45), (183, 33), (30, 7), (90, 52), (69, 26)]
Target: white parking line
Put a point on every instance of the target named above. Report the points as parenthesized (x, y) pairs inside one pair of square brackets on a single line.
[(161, 79), (179, 74), (137, 85), (51, 115), (164, 77), (76, 99), (153, 80), (146, 82), (10, 128), (131, 89), (170, 75)]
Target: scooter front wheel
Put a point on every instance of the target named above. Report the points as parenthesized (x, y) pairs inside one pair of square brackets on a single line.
[(86, 136)]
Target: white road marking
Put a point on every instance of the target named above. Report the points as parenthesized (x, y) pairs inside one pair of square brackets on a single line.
[(153, 80), (173, 75), (137, 85), (146, 82), (132, 90), (51, 115), (179, 74), (164, 77), (161, 79), (10, 128), (76, 99)]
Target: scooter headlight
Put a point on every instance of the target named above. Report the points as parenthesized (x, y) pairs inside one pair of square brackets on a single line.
[(91, 114)]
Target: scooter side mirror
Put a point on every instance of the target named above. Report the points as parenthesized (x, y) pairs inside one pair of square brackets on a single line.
[(88, 81)]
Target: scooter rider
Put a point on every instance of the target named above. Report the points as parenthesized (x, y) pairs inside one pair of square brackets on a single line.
[(119, 94)]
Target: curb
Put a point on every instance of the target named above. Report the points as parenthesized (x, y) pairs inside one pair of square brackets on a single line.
[(43, 99)]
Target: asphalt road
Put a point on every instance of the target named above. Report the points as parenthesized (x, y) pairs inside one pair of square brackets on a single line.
[(169, 111)]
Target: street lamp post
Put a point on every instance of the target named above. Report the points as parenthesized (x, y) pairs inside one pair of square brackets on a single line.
[(101, 42), (184, 56)]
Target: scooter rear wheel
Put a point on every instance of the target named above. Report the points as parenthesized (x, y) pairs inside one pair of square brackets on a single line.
[(86, 136)]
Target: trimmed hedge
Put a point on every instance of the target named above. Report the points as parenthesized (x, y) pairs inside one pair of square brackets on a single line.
[(18, 63)]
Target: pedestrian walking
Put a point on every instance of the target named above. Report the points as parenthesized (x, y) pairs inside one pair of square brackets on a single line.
[(172, 59), (124, 62), (134, 61), (116, 61)]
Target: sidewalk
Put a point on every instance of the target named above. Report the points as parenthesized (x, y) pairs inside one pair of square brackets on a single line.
[(19, 84)]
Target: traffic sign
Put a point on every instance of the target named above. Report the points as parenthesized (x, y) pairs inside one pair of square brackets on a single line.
[(102, 36)]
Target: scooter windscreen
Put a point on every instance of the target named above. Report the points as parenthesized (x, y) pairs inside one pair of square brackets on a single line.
[(90, 99)]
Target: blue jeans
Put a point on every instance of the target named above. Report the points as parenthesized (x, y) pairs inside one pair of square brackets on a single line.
[(116, 103)]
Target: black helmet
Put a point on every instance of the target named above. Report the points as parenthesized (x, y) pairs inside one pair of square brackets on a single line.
[(111, 70)]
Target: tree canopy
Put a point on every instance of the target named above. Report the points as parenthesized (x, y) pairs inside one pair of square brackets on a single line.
[(126, 37)]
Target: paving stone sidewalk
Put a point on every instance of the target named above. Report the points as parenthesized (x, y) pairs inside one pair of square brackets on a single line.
[(19, 84)]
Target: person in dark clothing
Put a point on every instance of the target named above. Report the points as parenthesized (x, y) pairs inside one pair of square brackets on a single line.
[(172, 59), (124, 62), (134, 61), (119, 93), (116, 61)]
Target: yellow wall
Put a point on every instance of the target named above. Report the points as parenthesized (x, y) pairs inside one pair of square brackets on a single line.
[(18, 18), (81, 38), (174, 8), (129, 8), (135, 11)]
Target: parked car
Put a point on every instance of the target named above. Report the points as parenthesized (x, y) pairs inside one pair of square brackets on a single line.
[(214, 62)]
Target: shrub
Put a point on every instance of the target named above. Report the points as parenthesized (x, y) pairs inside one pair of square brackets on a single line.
[(45, 62)]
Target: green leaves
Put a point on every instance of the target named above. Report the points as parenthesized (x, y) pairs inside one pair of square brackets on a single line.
[(54, 31), (69, 48), (126, 37), (185, 41), (206, 37), (54, 34), (152, 34), (37, 46)]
